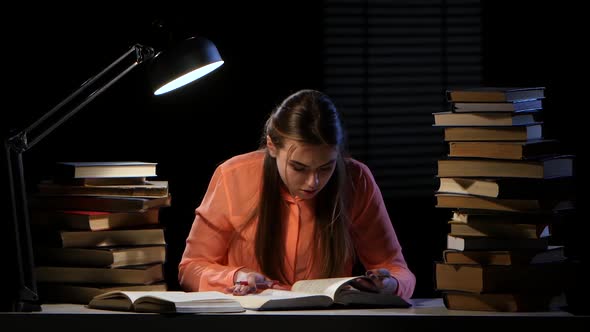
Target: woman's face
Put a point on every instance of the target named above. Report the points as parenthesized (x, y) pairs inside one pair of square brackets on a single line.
[(305, 169)]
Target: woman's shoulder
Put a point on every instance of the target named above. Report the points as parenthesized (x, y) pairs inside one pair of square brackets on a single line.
[(239, 179), (243, 168), (360, 175), (356, 167), (249, 159)]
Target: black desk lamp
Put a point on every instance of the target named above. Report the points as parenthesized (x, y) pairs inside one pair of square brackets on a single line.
[(188, 61)]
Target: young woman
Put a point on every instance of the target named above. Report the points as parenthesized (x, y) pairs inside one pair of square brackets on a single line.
[(297, 208)]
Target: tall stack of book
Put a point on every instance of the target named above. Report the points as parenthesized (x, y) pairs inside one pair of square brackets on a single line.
[(507, 185), (96, 229)]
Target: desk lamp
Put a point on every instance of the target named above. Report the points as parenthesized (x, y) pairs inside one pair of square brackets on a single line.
[(188, 61)]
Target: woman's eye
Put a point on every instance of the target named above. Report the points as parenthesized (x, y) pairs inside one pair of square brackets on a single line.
[(297, 169)]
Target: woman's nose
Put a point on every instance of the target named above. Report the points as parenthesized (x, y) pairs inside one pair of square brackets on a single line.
[(313, 179)]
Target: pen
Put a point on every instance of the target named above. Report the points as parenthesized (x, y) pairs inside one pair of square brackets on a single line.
[(260, 285)]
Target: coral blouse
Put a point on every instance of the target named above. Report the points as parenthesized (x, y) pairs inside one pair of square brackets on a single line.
[(215, 250)]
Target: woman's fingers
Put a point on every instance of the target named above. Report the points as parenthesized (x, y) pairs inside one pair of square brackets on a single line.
[(379, 277), (364, 285)]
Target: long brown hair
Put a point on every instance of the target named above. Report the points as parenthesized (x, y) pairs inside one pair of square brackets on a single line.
[(310, 117)]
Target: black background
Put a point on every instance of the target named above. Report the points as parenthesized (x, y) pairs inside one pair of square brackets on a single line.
[(270, 51)]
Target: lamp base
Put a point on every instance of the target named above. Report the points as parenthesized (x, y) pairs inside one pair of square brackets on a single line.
[(24, 306)]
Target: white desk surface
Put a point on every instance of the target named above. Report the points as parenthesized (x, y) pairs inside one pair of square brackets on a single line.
[(420, 307)]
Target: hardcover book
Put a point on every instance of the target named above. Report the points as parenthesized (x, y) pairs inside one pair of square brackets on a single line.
[(542, 168), (532, 205), (129, 275), (101, 257), (517, 150), (104, 169), (148, 189), (467, 243), (453, 119), (509, 106), (134, 180), (553, 254), (99, 203), (494, 133), (547, 277), (515, 188), (94, 239), (495, 94), (481, 216), (499, 230), (94, 220)]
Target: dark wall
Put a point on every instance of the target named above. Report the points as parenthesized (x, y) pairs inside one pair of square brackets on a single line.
[(270, 51), (530, 43)]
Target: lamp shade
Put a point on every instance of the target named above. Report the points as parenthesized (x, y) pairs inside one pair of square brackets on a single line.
[(186, 62)]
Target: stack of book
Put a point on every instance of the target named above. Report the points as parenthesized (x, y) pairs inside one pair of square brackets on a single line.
[(506, 185), (96, 229)]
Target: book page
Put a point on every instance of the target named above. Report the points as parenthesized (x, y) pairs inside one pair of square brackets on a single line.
[(336, 288), (167, 296), (188, 302), (187, 297), (328, 286), (130, 295), (275, 299), (166, 301)]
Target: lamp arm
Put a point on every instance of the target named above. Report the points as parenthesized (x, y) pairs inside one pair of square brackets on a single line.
[(16, 145), (23, 140)]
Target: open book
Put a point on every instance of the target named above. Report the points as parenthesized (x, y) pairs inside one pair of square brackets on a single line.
[(320, 293), (305, 294), (166, 302)]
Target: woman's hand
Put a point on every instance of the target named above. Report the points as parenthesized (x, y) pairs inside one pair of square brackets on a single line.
[(248, 281), (380, 281)]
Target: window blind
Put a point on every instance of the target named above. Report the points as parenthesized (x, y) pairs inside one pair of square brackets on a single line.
[(387, 65)]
